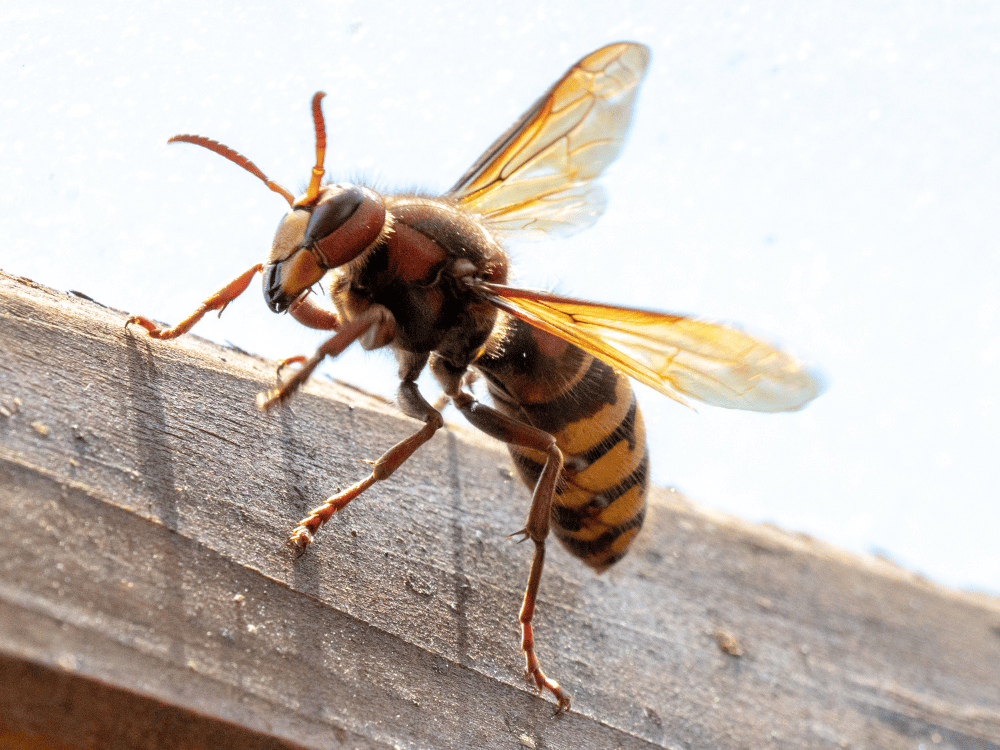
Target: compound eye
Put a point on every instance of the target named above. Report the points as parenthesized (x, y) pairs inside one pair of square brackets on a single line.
[(346, 221), (332, 214)]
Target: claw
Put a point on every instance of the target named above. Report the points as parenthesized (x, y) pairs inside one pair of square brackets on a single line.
[(150, 327), (267, 400), (544, 683), (302, 538), (283, 363)]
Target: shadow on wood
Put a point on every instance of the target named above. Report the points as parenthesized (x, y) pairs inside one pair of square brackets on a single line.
[(149, 599)]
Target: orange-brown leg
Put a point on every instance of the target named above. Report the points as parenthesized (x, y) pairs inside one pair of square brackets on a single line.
[(514, 432), (414, 405), (217, 301), (298, 359), (375, 316), (308, 313)]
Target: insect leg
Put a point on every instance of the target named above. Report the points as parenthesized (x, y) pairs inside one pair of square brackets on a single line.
[(308, 313), (413, 405), (217, 301), (376, 321), (514, 432)]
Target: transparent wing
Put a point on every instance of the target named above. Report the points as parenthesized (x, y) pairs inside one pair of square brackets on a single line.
[(677, 355), (535, 180)]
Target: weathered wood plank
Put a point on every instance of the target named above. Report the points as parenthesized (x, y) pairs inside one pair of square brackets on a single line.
[(144, 506)]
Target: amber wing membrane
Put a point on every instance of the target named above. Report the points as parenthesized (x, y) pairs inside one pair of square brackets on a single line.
[(536, 179), (677, 355)]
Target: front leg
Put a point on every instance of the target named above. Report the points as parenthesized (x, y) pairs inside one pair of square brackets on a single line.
[(377, 322), (308, 313), (217, 301)]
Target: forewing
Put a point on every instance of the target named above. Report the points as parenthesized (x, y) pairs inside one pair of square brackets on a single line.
[(535, 180), (677, 355)]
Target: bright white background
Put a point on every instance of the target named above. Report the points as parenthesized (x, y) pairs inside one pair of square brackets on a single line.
[(825, 173)]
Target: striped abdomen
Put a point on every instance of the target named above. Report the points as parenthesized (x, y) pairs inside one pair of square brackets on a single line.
[(590, 409)]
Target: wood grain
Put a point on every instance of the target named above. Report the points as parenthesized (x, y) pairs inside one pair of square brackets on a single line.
[(148, 599)]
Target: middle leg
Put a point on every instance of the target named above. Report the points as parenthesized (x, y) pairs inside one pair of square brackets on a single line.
[(413, 404)]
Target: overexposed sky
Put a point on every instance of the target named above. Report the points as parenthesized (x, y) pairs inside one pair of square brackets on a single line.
[(825, 174)]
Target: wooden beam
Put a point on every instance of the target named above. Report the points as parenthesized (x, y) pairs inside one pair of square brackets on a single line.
[(149, 599)]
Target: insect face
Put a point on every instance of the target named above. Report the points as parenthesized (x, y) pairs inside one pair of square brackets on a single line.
[(335, 228)]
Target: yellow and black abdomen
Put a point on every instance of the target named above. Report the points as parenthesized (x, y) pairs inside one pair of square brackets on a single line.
[(591, 411)]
